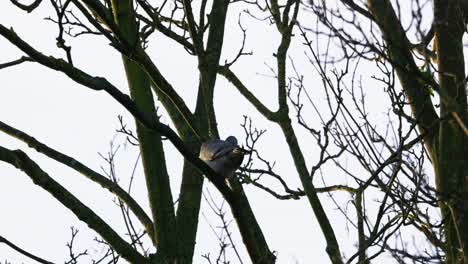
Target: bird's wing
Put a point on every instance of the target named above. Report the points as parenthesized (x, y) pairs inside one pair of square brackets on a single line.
[(214, 149)]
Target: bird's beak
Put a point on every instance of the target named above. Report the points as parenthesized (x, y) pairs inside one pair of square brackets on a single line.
[(242, 151)]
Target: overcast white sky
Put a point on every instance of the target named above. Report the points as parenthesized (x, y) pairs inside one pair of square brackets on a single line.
[(81, 122)]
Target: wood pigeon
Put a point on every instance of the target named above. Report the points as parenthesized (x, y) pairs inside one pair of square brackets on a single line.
[(223, 156)]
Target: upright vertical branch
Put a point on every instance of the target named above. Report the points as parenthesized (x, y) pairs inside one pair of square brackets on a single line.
[(152, 152), (208, 63), (452, 169), (284, 122), (190, 195), (360, 228), (285, 24), (333, 248)]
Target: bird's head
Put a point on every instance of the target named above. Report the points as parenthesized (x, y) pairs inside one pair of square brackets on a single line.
[(232, 140)]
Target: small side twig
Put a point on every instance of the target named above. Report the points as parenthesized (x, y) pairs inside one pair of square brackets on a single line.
[(15, 62)]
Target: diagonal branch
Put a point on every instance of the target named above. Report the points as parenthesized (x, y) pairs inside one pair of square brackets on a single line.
[(333, 248), (83, 169), (231, 77), (399, 51), (168, 96), (15, 62), (20, 160), (156, 22), (172, 101), (101, 84), (23, 252), (357, 8)]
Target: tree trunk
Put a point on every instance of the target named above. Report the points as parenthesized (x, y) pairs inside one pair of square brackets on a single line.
[(452, 169)]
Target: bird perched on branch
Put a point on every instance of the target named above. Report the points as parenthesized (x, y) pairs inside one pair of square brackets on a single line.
[(223, 156)]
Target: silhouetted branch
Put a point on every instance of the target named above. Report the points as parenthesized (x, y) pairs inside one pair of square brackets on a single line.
[(21, 161), (71, 251), (84, 170), (15, 62), (23, 252), (27, 8)]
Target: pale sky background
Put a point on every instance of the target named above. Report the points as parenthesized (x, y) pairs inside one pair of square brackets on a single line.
[(80, 122)]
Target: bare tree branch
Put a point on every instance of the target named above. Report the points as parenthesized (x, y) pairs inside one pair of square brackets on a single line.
[(23, 252), (21, 161), (15, 62), (28, 8), (84, 170)]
